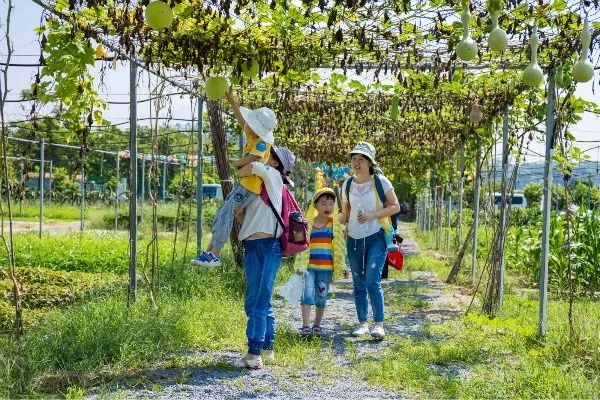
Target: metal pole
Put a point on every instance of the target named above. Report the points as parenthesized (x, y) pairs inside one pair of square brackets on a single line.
[(441, 219), (476, 197), (117, 173), (180, 176), (132, 180), (547, 204), (82, 203), (143, 193), (435, 212), (164, 180), (448, 216), (21, 194), (199, 194), (50, 184), (461, 185), (42, 142), (504, 204)]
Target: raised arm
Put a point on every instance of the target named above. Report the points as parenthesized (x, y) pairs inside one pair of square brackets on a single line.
[(236, 108)]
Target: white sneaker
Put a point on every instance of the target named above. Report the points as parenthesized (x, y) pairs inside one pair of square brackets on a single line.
[(378, 332), (268, 357), (248, 363), (361, 330)]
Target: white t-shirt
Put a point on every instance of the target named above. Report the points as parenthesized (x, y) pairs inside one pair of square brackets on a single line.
[(259, 216), (362, 198)]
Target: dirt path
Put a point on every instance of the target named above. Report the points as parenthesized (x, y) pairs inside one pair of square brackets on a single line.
[(219, 381), (50, 226)]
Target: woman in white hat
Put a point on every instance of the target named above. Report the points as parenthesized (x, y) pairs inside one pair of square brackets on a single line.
[(368, 200), (262, 256), (258, 126)]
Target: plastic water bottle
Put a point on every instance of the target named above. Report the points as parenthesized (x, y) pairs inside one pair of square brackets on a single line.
[(360, 209)]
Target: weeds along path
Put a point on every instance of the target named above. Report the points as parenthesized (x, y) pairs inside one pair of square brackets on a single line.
[(414, 301)]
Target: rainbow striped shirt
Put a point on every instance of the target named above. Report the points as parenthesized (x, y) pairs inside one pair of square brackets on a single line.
[(321, 247)]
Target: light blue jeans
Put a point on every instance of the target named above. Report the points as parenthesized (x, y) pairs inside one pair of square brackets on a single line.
[(262, 258), (240, 197), (367, 257), (316, 287)]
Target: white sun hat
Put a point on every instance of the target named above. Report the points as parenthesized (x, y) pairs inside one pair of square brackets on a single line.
[(366, 149), (262, 121)]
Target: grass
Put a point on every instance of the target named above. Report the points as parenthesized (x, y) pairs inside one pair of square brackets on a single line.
[(478, 357)]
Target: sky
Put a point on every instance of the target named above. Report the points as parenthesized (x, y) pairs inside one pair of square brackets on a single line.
[(115, 87)]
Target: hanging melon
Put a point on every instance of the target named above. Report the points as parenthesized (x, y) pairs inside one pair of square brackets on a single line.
[(250, 69), (466, 50), (533, 74), (394, 108), (216, 87), (497, 41), (158, 15), (583, 70)]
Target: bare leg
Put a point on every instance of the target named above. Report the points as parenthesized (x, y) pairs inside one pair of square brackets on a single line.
[(319, 315), (306, 308)]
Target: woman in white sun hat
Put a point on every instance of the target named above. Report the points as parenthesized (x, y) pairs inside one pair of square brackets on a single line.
[(262, 256), (258, 126), (367, 216)]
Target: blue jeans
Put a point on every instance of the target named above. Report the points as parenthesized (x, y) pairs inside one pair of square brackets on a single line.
[(262, 258), (240, 197), (316, 287), (367, 257)]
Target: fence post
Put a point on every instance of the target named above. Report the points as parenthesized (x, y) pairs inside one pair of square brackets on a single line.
[(164, 181), (82, 203), (118, 177), (199, 193), (132, 180), (42, 143), (50, 184), (547, 205)]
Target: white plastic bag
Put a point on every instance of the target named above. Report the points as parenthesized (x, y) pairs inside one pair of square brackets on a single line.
[(293, 289)]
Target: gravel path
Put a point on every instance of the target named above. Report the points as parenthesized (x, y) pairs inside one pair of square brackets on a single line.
[(219, 381)]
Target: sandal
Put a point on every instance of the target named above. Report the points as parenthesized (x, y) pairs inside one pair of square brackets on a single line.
[(249, 364), (305, 331), (317, 330)]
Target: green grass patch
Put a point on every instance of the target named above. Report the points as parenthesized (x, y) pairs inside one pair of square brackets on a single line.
[(478, 357), (43, 289), (97, 340)]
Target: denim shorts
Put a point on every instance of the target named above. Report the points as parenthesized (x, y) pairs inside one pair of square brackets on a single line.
[(316, 287)]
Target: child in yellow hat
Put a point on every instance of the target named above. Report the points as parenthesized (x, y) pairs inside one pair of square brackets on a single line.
[(326, 254)]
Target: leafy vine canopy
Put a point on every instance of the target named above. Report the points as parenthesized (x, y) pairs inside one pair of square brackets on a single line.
[(407, 48)]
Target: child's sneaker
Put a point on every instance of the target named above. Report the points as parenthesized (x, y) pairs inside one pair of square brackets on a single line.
[(317, 330), (378, 332), (363, 329), (207, 259), (268, 356)]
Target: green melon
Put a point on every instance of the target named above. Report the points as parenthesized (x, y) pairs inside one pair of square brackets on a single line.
[(497, 41), (533, 75), (159, 15), (250, 69), (216, 87), (466, 50), (583, 71)]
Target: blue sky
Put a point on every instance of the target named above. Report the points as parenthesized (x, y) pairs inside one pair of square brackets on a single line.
[(26, 17)]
